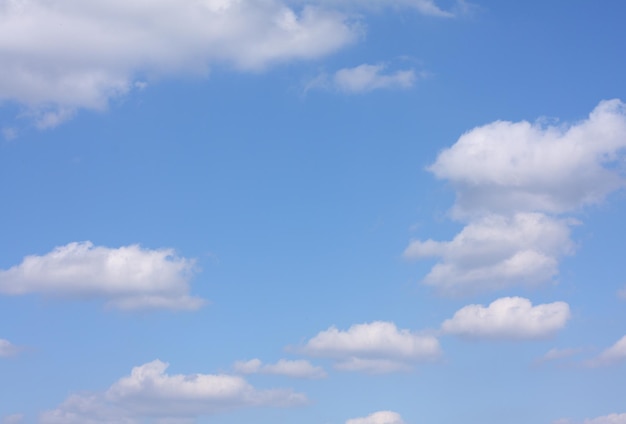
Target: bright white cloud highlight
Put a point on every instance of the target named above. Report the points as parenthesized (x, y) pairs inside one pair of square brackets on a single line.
[(612, 355), (508, 318), (151, 393), (70, 54), (376, 347), (608, 419), (297, 369), (128, 277), (7, 348), (512, 181), (381, 417), (365, 78)]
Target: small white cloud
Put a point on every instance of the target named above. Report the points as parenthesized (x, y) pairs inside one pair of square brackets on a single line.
[(13, 419), (151, 393), (508, 318), (608, 419), (612, 355), (380, 417), (7, 348), (495, 252), (365, 78), (128, 277), (297, 369), (375, 347)]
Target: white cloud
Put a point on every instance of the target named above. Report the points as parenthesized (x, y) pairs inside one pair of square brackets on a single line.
[(612, 355), (494, 252), (508, 318), (608, 419), (297, 369), (151, 393), (374, 347), (508, 167), (128, 277), (513, 180), (7, 348), (381, 417), (364, 78), (68, 54), (426, 7)]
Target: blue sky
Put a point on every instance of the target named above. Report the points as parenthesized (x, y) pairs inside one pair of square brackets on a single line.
[(312, 211)]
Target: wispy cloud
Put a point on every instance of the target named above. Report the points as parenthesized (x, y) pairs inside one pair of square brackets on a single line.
[(380, 417), (296, 368)]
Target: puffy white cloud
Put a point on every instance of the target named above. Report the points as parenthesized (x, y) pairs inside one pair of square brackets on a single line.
[(608, 419), (512, 180), (151, 393), (71, 54), (494, 252), (380, 417), (612, 355), (508, 318), (7, 348), (129, 277), (507, 167), (298, 368), (364, 78), (374, 347)]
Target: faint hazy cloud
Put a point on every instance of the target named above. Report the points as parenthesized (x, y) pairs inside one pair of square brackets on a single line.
[(13, 419), (556, 354), (513, 182), (508, 318), (7, 348), (380, 417), (149, 392), (612, 355), (129, 277), (376, 347), (608, 419), (297, 368), (363, 79)]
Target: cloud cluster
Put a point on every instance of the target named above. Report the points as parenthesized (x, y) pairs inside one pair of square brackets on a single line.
[(508, 318), (297, 369), (148, 392), (128, 277), (7, 348), (364, 78), (64, 55), (376, 347), (380, 417), (513, 181)]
